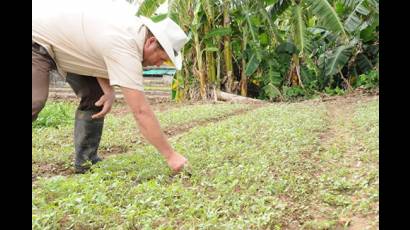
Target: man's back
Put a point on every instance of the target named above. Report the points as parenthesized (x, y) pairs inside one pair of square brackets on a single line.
[(81, 34)]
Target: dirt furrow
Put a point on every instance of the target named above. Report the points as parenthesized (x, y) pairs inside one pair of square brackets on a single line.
[(339, 117)]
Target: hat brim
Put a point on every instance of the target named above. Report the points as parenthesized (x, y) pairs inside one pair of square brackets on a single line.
[(165, 43)]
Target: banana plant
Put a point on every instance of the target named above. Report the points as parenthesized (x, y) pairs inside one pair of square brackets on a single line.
[(198, 17), (356, 17), (211, 40), (254, 33), (182, 12), (148, 7), (298, 34), (358, 55), (331, 38), (227, 47), (328, 17)]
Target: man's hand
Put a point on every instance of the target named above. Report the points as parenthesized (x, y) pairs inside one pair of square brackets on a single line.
[(177, 162), (106, 102)]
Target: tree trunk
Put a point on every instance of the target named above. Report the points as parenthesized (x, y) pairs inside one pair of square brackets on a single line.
[(244, 79), (200, 68), (210, 61), (223, 96), (227, 49), (294, 72)]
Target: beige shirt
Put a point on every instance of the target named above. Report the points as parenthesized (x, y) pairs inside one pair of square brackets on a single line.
[(96, 38)]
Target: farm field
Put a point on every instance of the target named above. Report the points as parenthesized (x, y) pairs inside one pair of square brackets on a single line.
[(310, 165)]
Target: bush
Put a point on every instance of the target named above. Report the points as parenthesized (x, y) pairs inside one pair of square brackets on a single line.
[(335, 91), (292, 92), (369, 80)]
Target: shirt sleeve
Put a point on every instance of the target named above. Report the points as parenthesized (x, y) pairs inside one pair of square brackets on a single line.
[(124, 66)]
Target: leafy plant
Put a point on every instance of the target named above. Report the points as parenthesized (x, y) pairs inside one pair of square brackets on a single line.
[(148, 7), (293, 92), (55, 114), (334, 91), (369, 80)]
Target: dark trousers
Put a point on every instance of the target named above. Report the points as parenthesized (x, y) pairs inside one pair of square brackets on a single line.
[(87, 131), (85, 87)]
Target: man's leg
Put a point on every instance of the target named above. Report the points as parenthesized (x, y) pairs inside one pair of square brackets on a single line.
[(40, 68), (87, 131)]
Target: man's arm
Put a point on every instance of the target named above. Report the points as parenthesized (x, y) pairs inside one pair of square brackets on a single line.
[(150, 128), (107, 99), (105, 85)]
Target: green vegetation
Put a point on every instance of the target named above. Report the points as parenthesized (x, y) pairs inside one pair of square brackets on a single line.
[(56, 114), (302, 165), (52, 144), (305, 165), (274, 49)]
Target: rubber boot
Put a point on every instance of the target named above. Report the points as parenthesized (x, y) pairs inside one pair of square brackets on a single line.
[(87, 136)]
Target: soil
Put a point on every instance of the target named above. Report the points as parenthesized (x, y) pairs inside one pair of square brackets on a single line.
[(51, 169), (339, 110), (112, 150)]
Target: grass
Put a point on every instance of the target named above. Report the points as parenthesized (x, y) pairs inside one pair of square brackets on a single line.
[(272, 168)]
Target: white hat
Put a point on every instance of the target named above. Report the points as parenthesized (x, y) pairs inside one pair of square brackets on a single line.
[(171, 37)]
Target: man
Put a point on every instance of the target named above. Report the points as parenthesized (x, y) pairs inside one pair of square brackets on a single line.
[(95, 45)]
